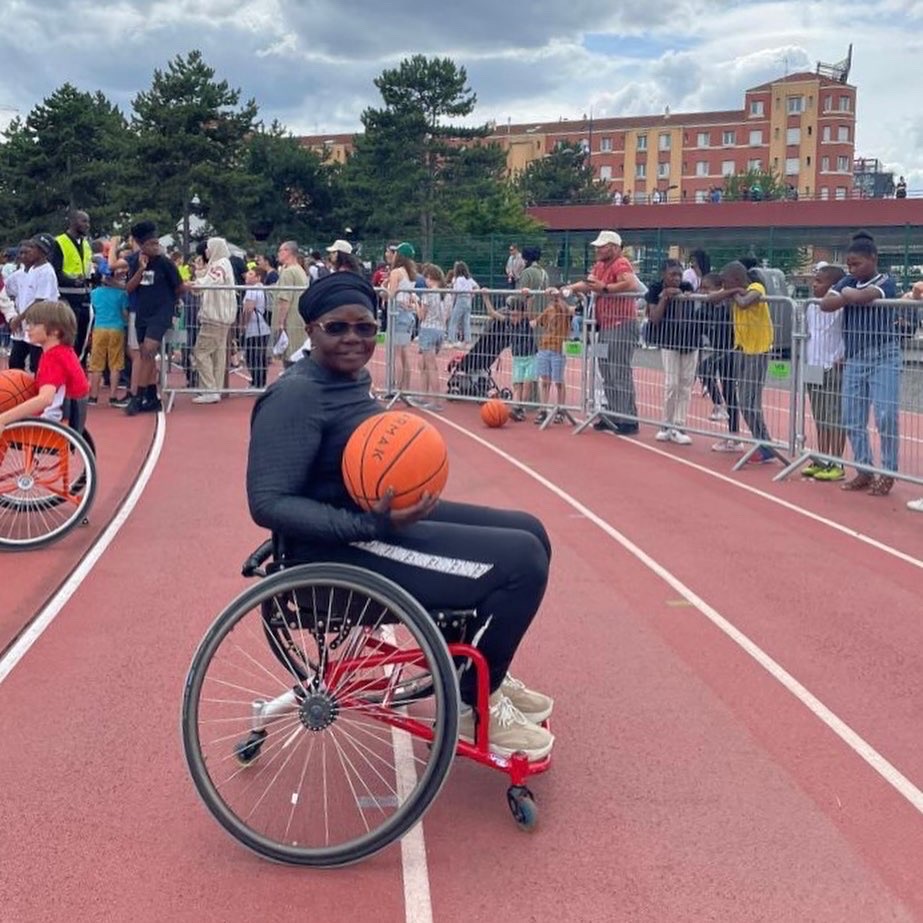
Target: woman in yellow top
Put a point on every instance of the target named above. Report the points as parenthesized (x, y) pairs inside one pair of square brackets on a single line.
[(753, 337)]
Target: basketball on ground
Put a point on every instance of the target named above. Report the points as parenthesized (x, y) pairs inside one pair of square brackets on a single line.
[(398, 451), (16, 386), (494, 413)]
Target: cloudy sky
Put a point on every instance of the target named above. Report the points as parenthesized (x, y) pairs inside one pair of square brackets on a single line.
[(310, 63)]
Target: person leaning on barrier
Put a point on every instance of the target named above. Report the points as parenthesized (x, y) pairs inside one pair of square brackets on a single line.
[(445, 554), (872, 373), (284, 312), (611, 277)]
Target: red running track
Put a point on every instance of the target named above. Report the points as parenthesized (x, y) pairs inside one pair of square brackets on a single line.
[(688, 783)]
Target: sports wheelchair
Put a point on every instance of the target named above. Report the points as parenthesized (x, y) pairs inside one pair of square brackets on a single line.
[(320, 713), (47, 479)]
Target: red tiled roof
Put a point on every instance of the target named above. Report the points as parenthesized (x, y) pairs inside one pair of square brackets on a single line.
[(317, 140), (801, 75)]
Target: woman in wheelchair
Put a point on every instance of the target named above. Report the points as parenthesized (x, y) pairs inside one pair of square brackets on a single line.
[(445, 554), (60, 378)]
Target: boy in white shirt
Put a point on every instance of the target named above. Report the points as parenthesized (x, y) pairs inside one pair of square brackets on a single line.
[(34, 281), (825, 352)]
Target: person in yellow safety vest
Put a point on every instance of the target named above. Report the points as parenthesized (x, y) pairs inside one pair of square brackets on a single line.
[(72, 259)]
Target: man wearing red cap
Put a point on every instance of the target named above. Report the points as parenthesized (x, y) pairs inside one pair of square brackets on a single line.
[(610, 278)]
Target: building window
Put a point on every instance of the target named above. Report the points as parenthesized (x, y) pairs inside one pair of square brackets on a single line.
[(795, 105), (825, 192), (728, 168), (792, 166), (845, 104), (663, 142), (640, 170), (663, 170), (605, 172), (841, 192), (605, 144), (807, 161), (825, 137), (842, 164), (755, 165), (703, 139), (775, 133), (756, 137), (701, 195), (842, 134), (701, 168), (825, 165), (828, 104), (793, 136), (642, 142), (756, 108), (728, 138)]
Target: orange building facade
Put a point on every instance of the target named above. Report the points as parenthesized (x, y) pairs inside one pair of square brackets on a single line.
[(802, 127)]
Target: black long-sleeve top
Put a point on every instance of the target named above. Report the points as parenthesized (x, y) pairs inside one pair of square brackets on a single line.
[(298, 430)]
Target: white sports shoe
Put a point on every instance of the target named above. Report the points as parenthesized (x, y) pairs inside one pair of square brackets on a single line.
[(209, 398), (536, 706), (915, 505), (663, 435), (679, 437), (510, 731)]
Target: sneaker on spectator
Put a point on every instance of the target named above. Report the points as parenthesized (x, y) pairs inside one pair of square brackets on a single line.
[(727, 445), (761, 457), (133, 406), (509, 731), (153, 405), (663, 435), (915, 505), (209, 398), (679, 437), (92, 401), (830, 473), (719, 414), (517, 414), (118, 401), (812, 470), (536, 706), (559, 417), (540, 417), (861, 481)]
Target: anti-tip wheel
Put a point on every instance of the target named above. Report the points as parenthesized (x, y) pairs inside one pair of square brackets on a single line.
[(522, 806)]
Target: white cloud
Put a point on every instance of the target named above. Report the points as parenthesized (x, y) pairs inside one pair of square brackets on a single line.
[(311, 64)]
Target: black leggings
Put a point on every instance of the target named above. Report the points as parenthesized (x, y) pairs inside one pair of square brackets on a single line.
[(466, 557), (256, 355)]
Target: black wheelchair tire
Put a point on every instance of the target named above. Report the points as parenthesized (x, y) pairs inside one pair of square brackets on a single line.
[(445, 691)]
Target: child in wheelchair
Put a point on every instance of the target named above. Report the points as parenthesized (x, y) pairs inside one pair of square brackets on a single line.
[(445, 554), (60, 378)]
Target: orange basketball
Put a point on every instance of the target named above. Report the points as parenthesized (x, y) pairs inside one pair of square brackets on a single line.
[(396, 450), (16, 386), (494, 413)]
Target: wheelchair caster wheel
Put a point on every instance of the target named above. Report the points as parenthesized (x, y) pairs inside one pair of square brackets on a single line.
[(248, 750), (523, 807)]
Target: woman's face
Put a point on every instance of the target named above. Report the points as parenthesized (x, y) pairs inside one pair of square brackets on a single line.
[(343, 349)]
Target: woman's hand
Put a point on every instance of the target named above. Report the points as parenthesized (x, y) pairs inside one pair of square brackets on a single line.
[(409, 514)]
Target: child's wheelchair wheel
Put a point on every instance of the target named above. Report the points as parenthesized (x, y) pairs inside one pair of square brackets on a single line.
[(292, 725), (47, 483)]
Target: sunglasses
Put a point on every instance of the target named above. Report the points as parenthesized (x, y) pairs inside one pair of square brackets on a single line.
[(337, 328)]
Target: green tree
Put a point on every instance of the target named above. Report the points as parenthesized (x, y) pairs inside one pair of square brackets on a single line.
[(397, 175), (69, 152), (768, 182), (563, 177), (292, 189), (191, 133)]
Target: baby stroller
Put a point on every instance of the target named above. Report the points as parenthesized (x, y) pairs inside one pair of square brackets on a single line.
[(470, 373)]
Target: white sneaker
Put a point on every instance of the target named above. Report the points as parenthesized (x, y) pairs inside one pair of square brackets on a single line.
[(719, 414), (915, 505), (679, 437), (536, 706), (727, 445), (206, 399), (663, 435), (510, 731)]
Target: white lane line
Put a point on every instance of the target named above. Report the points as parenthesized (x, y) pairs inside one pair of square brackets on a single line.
[(60, 599), (816, 517), (861, 747)]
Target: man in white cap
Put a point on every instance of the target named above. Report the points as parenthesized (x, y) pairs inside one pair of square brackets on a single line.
[(610, 279)]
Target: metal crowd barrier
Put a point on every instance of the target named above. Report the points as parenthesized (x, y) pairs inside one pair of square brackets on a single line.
[(212, 360), (860, 403), (445, 345)]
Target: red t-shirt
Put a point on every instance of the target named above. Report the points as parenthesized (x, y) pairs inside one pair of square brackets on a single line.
[(60, 367), (612, 310)]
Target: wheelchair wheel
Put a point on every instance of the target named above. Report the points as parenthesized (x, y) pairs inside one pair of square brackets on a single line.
[(47, 483), (296, 726)]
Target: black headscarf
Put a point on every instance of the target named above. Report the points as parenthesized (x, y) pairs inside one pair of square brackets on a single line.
[(332, 291)]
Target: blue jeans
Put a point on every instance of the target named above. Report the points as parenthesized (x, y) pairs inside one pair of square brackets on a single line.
[(873, 377), (460, 320)]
